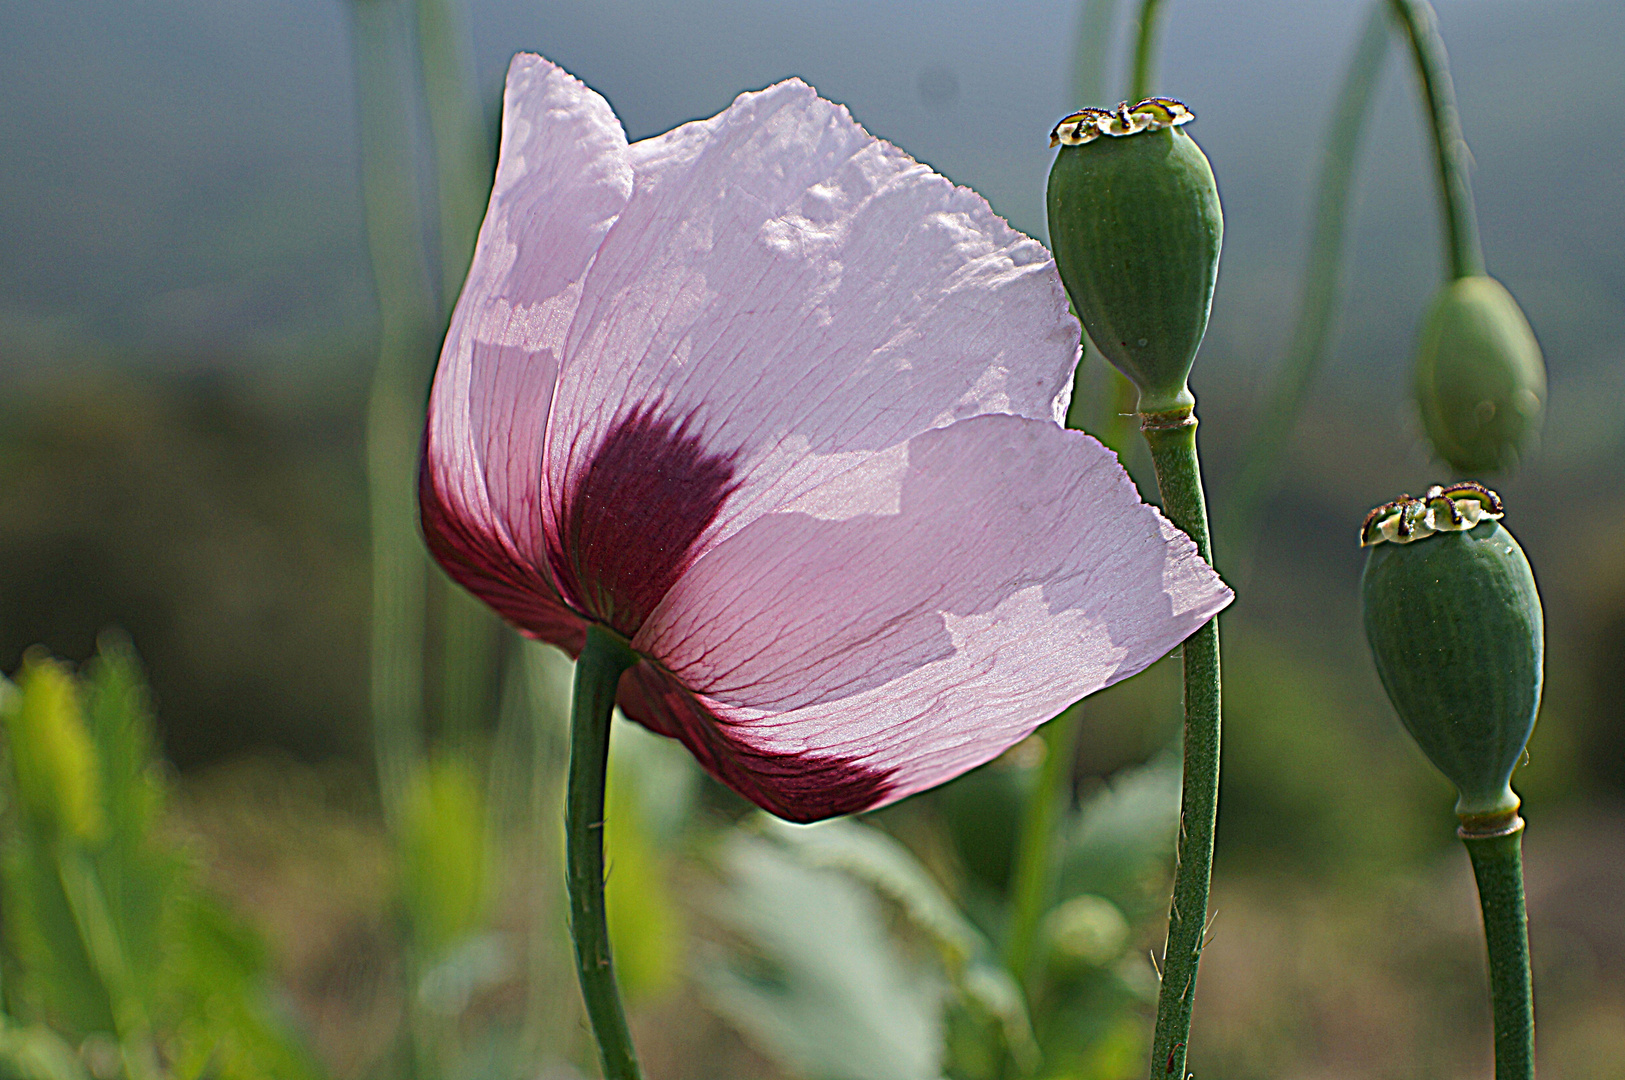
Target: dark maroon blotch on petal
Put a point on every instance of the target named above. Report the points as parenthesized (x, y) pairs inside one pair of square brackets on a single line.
[(797, 787), (630, 518)]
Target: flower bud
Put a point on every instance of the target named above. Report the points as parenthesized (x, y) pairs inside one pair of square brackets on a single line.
[(53, 758), (1135, 222), (1455, 627), (1480, 380), (1086, 931)]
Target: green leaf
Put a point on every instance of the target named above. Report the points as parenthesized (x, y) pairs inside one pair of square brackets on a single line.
[(892, 870), (1121, 845), (817, 982)]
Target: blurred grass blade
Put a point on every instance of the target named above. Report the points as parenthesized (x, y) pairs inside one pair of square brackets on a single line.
[(1322, 280), (407, 329)]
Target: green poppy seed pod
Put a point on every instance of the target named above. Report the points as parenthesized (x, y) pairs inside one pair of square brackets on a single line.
[(1135, 222), (1480, 380), (58, 777), (1455, 627)]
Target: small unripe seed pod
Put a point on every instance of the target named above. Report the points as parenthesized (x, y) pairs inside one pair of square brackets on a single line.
[(1455, 627), (1136, 226), (1480, 379)]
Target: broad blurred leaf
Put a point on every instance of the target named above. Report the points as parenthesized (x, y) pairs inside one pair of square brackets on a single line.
[(444, 856), (1121, 845), (644, 922), (889, 868), (37, 1053), (817, 981)]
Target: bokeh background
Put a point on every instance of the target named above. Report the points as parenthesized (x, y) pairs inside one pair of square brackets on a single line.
[(189, 328)]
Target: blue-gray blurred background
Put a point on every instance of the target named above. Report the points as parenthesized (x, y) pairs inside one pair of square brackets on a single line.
[(188, 327)]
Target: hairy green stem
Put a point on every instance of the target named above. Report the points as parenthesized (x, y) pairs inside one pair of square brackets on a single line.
[(1035, 852), (1498, 866), (1321, 282), (1421, 26), (1172, 438), (598, 672), (1145, 47)]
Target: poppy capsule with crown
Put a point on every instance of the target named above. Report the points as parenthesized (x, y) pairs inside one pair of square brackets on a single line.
[(1136, 226), (1455, 627), (1480, 379)]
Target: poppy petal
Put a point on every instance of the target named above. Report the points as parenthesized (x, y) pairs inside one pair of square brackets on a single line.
[(912, 623), (798, 295), (562, 179)]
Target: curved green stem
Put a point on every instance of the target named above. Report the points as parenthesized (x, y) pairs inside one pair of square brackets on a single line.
[(1450, 149), (1498, 866), (598, 673), (1145, 46), (1035, 853), (1321, 280), (1172, 437)]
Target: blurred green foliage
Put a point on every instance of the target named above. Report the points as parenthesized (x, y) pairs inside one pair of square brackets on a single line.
[(109, 941)]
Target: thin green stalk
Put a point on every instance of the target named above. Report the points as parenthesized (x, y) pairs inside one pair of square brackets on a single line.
[(1035, 851), (1172, 438), (1145, 48), (598, 673), (407, 327), (462, 151), (1450, 149), (1089, 54), (470, 635), (1498, 866), (1322, 280)]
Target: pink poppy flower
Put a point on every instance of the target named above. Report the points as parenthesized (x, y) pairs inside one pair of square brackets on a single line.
[(781, 406)]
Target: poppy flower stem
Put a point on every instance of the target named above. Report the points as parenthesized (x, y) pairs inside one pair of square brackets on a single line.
[(1172, 437), (1421, 27), (1498, 866), (604, 658)]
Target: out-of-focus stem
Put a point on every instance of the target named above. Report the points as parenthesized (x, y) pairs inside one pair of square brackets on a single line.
[(1145, 49), (462, 152), (1321, 281), (407, 324), (1034, 873), (1172, 438), (603, 660), (1450, 149), (1498, 866), (1095, 23)]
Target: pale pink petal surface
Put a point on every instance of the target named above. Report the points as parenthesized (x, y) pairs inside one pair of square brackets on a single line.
[(562, 180), (780, 404), (885, 651)]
